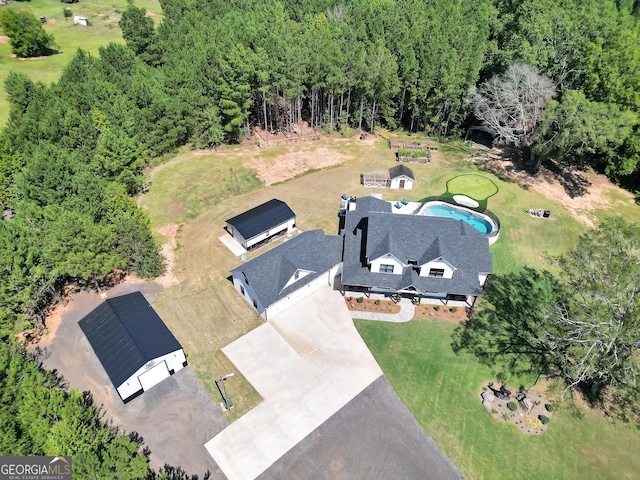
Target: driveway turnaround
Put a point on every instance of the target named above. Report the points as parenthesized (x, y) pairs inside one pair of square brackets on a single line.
[(374, 436), (174, 418), (307, 363)]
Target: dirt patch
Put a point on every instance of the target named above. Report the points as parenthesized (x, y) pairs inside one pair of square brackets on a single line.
[(530, 422), (4, 39), (581, 192), (170, 232), (371, 305), (293, 163), (442, 312)]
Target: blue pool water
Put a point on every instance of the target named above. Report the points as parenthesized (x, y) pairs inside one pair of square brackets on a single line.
[(476, 222)]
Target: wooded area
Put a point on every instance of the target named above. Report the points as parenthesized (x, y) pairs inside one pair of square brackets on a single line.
[(72, 153)]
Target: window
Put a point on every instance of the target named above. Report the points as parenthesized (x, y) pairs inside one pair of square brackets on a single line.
[(386, 268), (241, 289), (255, 304), (412, 262), (436, 272), (296, 275), (246, 280)]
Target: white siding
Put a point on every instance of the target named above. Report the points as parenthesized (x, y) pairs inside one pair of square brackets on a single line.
[(408, 183), (174, 361), (391, 260), (327, 278), (443, 264), (482, 278), (288, 226)]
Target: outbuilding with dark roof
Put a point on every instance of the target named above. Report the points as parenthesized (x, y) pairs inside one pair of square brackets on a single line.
[(133, 344), (261, 223)]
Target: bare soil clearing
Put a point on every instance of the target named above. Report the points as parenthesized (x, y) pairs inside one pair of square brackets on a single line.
[(170, 232), (295, 161), (581, 192)]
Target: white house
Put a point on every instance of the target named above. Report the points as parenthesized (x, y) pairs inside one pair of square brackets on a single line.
[(133, 344), (280, 277), (261, 223), (413, 255)]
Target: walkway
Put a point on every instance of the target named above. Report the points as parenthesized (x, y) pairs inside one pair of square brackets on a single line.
[(307, 363), (407, 312)]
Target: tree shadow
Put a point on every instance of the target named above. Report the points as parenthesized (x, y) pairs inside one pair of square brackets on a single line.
[(573, 182)]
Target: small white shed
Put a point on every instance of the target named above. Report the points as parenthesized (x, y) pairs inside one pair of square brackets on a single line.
[(77, 20)]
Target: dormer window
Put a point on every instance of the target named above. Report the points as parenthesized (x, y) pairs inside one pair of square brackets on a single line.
[(436, 272), (412, 262), (386, 268), (296, 275)]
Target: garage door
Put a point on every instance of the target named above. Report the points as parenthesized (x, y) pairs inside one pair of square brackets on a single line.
[(154, 376)]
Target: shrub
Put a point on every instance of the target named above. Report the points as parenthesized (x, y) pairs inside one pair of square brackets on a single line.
[(506, 416), (544, 419), (549, 407), (360, 299), (377, 302), (437, 308), (67, 12), (454, 309), (512, 406)]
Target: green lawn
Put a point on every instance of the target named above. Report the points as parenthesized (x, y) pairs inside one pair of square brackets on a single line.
[(442, 391), (199, 190), (477, 187), (103, 30)]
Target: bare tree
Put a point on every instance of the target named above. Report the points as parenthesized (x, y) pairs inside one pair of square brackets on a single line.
[(511, 105)]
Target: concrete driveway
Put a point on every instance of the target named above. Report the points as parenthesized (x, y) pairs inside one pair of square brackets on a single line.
[(307, 363), (174, 418)]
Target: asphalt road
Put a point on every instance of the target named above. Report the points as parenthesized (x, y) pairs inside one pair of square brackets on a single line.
[(175, 418), (373, 437)]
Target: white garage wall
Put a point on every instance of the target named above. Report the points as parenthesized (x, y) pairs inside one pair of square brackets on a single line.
[(174, 361)]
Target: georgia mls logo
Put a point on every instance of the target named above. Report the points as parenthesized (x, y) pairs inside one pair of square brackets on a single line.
[(35, 468)]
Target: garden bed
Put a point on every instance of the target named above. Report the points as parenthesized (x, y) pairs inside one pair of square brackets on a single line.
[(371, 305), (442, 312), (534, 422)]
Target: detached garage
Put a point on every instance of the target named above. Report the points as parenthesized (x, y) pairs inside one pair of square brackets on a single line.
[(265, 221), (133, 344)]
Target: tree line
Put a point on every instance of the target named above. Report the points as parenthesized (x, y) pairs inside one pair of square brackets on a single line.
[(72, 153)]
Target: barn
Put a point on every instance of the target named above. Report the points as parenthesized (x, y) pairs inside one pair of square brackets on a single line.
[(133, 344), (261, 223)]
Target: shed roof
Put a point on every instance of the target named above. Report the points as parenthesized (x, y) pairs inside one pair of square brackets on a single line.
[(400, 170), (125, 333), (261, 218)]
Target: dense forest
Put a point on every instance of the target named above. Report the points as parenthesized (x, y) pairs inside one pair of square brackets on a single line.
[(72, 153)]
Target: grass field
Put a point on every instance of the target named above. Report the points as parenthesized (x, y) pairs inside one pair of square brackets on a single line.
[(200, 190), (103, 30), (442, 391)]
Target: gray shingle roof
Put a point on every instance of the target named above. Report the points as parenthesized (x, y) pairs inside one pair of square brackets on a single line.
[(400, 170), (311, 251), (125, 332), (369, 234), (261, 218)]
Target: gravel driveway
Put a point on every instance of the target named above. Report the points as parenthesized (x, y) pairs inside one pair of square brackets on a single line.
[(175, 418)]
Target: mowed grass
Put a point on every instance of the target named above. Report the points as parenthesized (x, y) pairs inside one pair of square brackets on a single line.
[(69, 37), (442, 391), (477, 187), (200, 190)]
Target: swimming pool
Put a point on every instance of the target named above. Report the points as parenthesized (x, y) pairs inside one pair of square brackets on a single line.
[(483, 223)]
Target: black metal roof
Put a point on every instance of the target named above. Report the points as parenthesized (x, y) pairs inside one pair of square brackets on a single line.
[(261, 218), (126, 333)]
